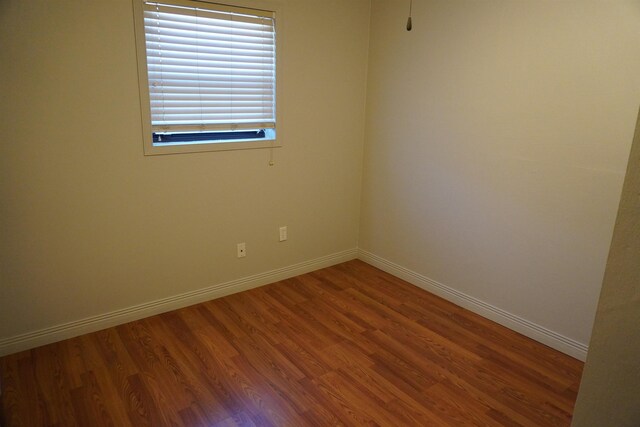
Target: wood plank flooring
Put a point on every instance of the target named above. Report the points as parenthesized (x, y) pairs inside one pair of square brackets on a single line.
[(346, 345)]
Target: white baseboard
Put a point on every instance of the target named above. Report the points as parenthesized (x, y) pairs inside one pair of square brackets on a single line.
[(511, 321), (95, 323)]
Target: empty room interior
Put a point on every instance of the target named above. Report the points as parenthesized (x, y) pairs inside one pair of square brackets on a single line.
[(443, 231)]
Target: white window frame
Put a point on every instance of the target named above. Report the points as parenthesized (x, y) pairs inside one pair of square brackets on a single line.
[(143, 82)]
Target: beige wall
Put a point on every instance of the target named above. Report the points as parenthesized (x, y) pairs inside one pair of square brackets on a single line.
[(496, 144), (496, 136), (89, 225), (610, 388)]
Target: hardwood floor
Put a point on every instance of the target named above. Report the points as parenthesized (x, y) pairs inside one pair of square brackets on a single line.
[(346, 345)]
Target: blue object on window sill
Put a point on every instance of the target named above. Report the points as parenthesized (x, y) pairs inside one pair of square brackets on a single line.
[(168, 138)]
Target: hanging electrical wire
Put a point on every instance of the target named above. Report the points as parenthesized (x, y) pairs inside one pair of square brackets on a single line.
[(409, 26)]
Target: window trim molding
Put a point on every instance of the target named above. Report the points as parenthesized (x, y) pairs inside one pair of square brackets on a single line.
[(145, 111)]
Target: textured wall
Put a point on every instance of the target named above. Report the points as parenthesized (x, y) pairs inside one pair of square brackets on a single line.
[(89, 225), (496, 144), (610, 389)]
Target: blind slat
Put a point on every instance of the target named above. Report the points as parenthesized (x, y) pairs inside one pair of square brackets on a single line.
[(194, 100), (178, 65), (207, 26), (165, 34), (187, 8), (213, 79), (256, 104), (186, 127), (175, 51)]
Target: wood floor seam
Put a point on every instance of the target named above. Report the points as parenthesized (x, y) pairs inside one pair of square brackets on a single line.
[(347, 345)]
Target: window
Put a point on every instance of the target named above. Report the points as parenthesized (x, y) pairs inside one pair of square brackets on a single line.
[(207, 76)]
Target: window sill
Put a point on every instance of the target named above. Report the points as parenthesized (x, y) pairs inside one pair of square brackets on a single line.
[(180, 148)]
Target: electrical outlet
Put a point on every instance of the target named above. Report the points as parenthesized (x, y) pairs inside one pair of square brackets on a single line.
[(242, 250), (283, 233)]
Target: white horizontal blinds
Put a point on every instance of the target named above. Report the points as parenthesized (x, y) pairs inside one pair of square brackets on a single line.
[(210, 69)]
